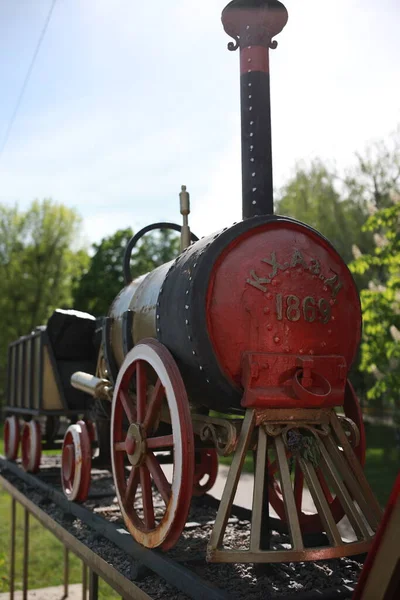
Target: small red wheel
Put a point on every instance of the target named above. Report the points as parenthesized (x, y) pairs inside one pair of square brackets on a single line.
[(76, 462), (31, 446), (11, 437), (206, 466), (311, 523), (146, 419)]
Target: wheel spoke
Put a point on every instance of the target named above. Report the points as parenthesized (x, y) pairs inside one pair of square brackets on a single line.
[(324, 486), (154, 405), (158, 475), (147, 497), (298, 487), (163, 441), (129, 408), (131, 486), (141, 390), (119, 447)]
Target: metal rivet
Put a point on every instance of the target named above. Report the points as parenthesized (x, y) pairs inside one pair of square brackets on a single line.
[(208, 381), (251, 148), (249, 71), (254, 202), (158, 316), (190, 278), (254, 189), (253, 174), (190, 338), (158, 330), (252, 160), (250, 96), (201, 368), (247, 26), (187, 322), (187, 306), (195, 265), (250, 108), (249, 84), (251, 135), (251, 122), (249, 60), (194, 353)]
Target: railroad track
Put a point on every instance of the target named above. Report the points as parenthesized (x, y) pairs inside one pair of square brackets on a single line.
[(182, 572)]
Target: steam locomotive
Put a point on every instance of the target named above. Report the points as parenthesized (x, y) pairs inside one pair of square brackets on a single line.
[(241, 344)]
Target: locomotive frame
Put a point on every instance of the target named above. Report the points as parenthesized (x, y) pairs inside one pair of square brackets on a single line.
[(191, 336)]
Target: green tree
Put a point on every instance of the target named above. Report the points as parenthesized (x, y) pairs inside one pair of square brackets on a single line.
[(104, 278), (380, 348), (39, 265), (376, 177), (313, 196)]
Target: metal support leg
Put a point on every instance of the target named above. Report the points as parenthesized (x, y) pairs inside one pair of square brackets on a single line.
[(12, 548), (93, 586), (66, 571), (26, 552), (84, 581)]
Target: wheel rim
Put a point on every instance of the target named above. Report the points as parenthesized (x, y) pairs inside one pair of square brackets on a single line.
[(11, 437), (76, 462), (137, 432), (311, 523), (31, 446), (206, 466)]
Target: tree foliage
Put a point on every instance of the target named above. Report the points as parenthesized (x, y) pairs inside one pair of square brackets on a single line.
[(39, 266), (104, 277), (312, 197), (380, 348)]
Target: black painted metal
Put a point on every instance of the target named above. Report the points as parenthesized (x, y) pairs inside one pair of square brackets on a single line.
[(127, 340), (257, 179), (107, 349), (134, 240)]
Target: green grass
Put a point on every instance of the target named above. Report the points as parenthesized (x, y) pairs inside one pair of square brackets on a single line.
[(46, 552), (46, 556)]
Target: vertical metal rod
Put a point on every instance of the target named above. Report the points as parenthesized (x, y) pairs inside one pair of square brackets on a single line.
[(93, 586), (26, 552), (12, 548), (66, 571), (84, 581), (259, 538)]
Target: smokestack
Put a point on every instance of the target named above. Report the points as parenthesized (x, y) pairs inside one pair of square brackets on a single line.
[(253, 24)]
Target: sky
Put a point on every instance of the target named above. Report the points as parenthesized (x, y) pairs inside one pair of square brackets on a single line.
[(129, 100)]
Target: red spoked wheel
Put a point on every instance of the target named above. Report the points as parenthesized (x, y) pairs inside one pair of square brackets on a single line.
[(11, 437), (206, 466), (76, 462), (311, 523), (150, 414), (31, 446)]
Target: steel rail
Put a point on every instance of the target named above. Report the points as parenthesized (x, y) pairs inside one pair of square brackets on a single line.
[(171, 571), (118, 582)]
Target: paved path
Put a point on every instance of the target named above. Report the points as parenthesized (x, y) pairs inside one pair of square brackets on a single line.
[(50, 593)]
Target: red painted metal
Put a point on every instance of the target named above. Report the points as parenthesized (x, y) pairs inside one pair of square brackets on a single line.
[(144, 414), (384, 527), (281, 289), (311, 523), (207, 467), (76, 472), (254, 58), (11, 437), (31, 446), (290, 381)]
